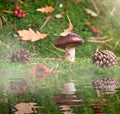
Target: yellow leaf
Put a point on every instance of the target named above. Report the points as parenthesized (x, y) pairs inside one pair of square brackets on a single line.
[(30, 35), (46, 9), (69, 29)]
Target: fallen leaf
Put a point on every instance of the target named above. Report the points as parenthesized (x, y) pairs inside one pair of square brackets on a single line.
[(92, 13), (69, 29), (26, 108), (30, 35), (46, 9)]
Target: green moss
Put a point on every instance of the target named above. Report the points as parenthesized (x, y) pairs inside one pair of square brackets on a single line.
[(82, 72)]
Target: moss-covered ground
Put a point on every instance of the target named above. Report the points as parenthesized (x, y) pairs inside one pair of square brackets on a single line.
[(82, 72)]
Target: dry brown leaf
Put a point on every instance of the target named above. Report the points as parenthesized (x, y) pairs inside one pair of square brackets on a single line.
[(26, 108), (30, 35), (69, 29), (46, 9)]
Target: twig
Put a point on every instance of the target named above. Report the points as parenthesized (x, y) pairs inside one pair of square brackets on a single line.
[(95, 6), (3, 17), (47, 19), (103, 44), (108, 45), (98, 41), (6, 11), (3, 44), (97, 49), (52, 51), (56, 59), (102, 41), (0, 22), (98, 38), (116, 45)]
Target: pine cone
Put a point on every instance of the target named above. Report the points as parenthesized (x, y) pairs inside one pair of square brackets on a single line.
[(107, 84), (19, 86), (104, 58), (20, 56)]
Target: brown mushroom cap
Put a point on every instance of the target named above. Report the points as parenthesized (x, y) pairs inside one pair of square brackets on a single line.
[(70, 40)]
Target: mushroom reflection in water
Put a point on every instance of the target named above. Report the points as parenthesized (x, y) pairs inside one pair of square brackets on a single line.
[(68, 98), (69, 42)]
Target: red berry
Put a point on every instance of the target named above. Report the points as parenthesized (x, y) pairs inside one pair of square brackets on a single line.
[(20, 10), (19, 15), (16, 7), (15, 12), (23, 14), (94, 30), (88, 24), (98, 107), (98, 32)]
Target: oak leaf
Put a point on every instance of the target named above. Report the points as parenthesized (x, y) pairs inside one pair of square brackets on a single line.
[(69, 29), (30, 35), (46, 9)]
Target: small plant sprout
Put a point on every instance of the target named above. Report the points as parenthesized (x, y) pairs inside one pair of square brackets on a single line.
[(69, 42)]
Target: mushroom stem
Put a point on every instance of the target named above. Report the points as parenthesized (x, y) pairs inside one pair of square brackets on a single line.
[(70, 54)]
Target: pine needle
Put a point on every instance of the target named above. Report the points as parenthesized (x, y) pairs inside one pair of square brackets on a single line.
[(117, 43), (45, 22)]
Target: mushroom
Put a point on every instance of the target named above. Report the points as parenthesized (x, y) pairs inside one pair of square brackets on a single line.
[(69, 42)]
